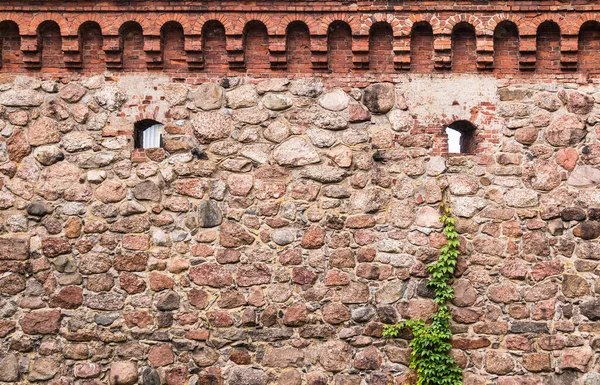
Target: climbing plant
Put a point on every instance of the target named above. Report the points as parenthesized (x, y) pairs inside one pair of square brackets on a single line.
[(430, 357)]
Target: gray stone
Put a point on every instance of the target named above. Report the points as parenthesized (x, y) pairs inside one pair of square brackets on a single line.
[(295, 152), (9, 368), (521, 198), (591, 309), (379, 98), (209, 214), (168, 301), (110, 98), (175, 94), (401, 120), (247, 376), (277, 102), (150, 377), (324, 174), (209, 96), (584, 176), (242, 97), (77, 141), (311, 87), (48, 155), (21, 98), (277, 131), (528, 327), (38, 209), (283, 237), (336, 100), (43, 369), (321, 138)]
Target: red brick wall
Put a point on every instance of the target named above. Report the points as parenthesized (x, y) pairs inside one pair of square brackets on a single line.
[(421, 48), (589, 48), (464, 58), (548, 48), (298, 47), (231, 40), (133, 47), (214, 47), (381, 58), (506, 48), (11, 46), (51, 46), (340, 47), (257, 47), (173, 47), (92, 54)]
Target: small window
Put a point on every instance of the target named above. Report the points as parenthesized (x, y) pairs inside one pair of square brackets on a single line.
[(148, 134), (461, 138)]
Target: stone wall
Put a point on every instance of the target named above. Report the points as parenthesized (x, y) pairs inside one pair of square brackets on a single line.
[(285, 222)]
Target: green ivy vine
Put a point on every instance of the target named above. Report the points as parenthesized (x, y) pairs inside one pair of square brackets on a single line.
[(430, 357)]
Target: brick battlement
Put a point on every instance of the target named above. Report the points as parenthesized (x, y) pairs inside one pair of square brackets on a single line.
[(287, 37)]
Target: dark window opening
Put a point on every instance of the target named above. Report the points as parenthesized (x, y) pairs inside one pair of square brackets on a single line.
[(461, 137), (147, 133)]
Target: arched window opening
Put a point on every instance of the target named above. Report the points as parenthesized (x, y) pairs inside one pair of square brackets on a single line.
[(256, 46), (132, 39), (148, 134), (589, 47), (51, 45), (92, 54), (421, 47), (506, 47), (214, 46), (548, 47), (461, 137), (464, 48), (298, 47), (173, 46), (11, 45), (381, 53), (339, 47)]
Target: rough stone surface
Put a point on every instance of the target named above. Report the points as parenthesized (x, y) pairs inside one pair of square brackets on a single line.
[(287, 220)]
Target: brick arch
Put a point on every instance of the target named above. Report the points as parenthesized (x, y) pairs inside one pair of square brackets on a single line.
[(473, 20), (118, 24), (428, 18), (497, 19), (159, 24), (326, 21), (310, 22), (17, 18), (585, 18), (89, 18), (197, 27), (254, 17), (37, 20), (394, 23), (532, 27)]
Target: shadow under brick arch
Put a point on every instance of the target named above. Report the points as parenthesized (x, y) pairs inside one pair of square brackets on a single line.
[(381, 48), (421, 47), (10, 46), (172, 43), (214, 46), (132, 46), (91, 42), (256, 47), (50, 45), (589, 47), (298, 47), (464, 48), (548, 47), (506, 47), (339, 47)]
